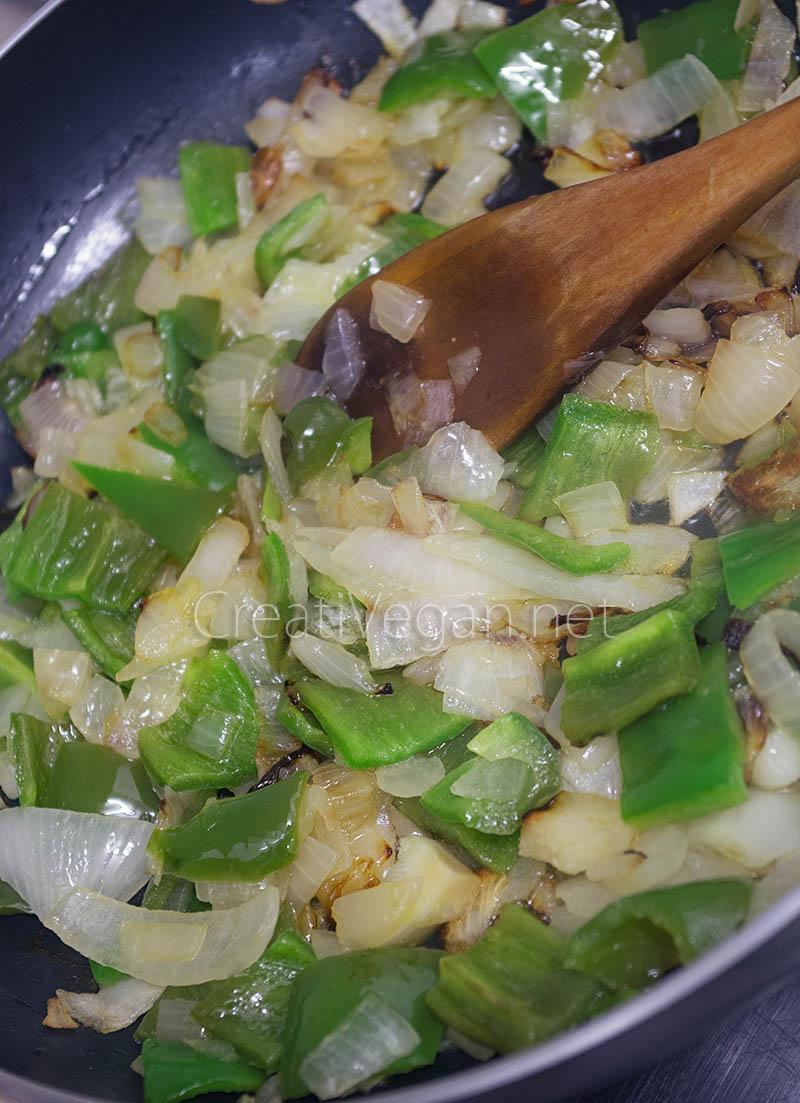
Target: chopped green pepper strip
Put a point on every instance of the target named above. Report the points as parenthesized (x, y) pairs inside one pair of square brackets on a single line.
[(635, 940), (250, 1010), (406, 231), (208, 173), (567, 554), (174, 1071), (174, 894), (92, 364), (235, 839), (74, 548), (33, 746), (495, 852), (377, 729), (757, 559), (174, 513), (87, 777), (275, 562), (625, 677), (178, 363), (82, 337), (210, 740), (301, 723), (106, 975), (22, 367), (271, 502), (686, 758), (196, 458), (108, 637), (526, 452), (286, 238), (11, 903), (328, 990), (438, 65), (551, 56), (591, 442), (705, 29), (705, 587), (198, 325), (16, 666), (107, 295), (511, 988), (322, 434)]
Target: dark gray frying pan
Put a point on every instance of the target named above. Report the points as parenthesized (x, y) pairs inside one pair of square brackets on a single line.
[(96, 93)]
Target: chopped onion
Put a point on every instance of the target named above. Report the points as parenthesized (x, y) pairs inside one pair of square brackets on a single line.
[(754, 834), (270, 438), (368, 1040), (777, 764), (575, 832), (781, 878), (48, 406), (773, 228), (313, 865), (592, 769), (603, 380), (595, 508), (165, 947), (718, 115), (397, 310), (655, 549), (440, 15), (657, 103), (458, 463), (686, 325), (391, 21), (672, 459), (746, 386), (325, 944), (485, 679), (333, 663), (112, 1008), (217, 553), (343, 361), (229, 417), (769, 59), (626, 66), (61, 675), (458, 195), (410, 506), (269, 122), (294, 384), (98, 702), (480, 13), (410, 778), (773, 679), (464, 367), (46, 852), (498, 128), (153, 698), (330, 124), (245, 199), (690, 491), (673, 394), (163, 220), (658, 857), (567, 168), (419, 407)]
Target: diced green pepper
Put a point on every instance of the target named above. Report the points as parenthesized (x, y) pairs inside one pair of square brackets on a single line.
[(757, 559), (21, 368), (705, 29), (210, 740), (271, 501), (591, 442), (198, 324), (82, 336), (74, 548), (174, 894), (33, 746), (174, 1071), (250, 1010), (634, 940), (16, 666), (106, 975), (301, 723), (441, 64), (285, 239), (377, 729), (511, 988), (551, 56), (564, 553), (178, 363), (92, 364), (174, 513), (107, 296), (686, 758), (208, 175), (526, 452), (235, 839), (275, 562), (625, 677), (495, 852), (108, 637), (11, 903), (406, 231), (195, 456), (322, 434), (327, 991), (87, 777)]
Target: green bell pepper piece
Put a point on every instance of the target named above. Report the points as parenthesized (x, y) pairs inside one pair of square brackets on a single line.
[(625, 677), (21, 368), (210, 740), (87, 777), (321, 435), (275, 563), (178, 363), (235, 839), (108, 637), (441, 64), (198, 324), (564, 553), (174, 894), (91, 364), (526, 452), (757, 559), (196, 458), (82, 336), (591, 442), (271, 501), (377, 729), (106, 975), (515, 762), (495, 852), (174, 513), (11, 903), (107, 296), (286, 238), (551, 56), (73, 548), (511, 988), (16, 666), (208, 172), (250, 1010), (704, 29), (686, 758), (406, 231), (705, 587), (174, 1071), (327, 991), (635, 940), (33, 746), (301, 723)]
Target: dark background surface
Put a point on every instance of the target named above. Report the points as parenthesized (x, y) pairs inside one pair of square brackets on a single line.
[(101, 93)]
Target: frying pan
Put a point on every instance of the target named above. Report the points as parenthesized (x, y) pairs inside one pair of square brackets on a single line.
[(94, 94)]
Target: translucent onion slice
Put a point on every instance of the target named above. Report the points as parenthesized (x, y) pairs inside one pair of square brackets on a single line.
[(100, 699), (410, 778), (458, 463), (163, 220), (391, 21), (61, 675), (368, 1040), (673, 394), (686, 325), (217, 553), (754, 834), (595, 508), (690, 491), (294, 384), (464, 367), (112, 1008), (659, 102), (397, 310), (164, 947), (773, 679), (655, 549), (769, 60), (746, 386), (485, 679), (343, 361), (45, 852), (333, 663), (314, 863), (777, 764), (458, 196), (270, 437)]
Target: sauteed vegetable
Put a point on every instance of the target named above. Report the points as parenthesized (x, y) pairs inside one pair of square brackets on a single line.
[(324, 764)]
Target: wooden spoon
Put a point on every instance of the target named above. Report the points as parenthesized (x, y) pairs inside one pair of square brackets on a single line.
[(544, 288)]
